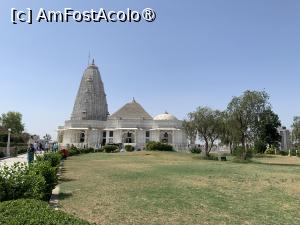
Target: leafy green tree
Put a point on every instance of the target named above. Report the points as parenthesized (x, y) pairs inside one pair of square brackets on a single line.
[(296, 131), (190, 130), (47, 138), (267, 131), (209, 125), (13, 120), (229, 135), (244, 113)]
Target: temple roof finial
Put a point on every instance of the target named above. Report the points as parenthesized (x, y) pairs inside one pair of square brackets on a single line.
[(133, 100), (93, 61)]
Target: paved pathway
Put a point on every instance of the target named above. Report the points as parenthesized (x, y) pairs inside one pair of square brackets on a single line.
[(11, 161)]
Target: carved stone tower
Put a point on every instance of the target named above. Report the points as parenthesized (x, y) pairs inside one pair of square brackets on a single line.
[(90, 103)]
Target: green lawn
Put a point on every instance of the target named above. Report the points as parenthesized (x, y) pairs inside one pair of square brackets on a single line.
[(177, 188)]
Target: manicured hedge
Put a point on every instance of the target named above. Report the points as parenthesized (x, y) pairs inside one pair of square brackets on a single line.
[(34, 181), (129, 148), (34, 212), (76, 151), (158, 146), (110, 148), (195, 150), (19, 181), (53, 158)]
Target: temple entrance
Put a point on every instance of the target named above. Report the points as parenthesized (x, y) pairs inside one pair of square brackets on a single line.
[(166, 137), (128, 137)]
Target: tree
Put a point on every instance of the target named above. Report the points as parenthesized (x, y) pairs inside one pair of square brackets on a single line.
[(296, 130), (47, 138), (244, 111), (267, 129), (190, 130), (229, 135), (13, 120), (208, 124)]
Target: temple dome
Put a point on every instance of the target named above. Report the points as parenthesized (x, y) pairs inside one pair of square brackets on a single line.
[(131, 110), (165, 117), (90, 103)]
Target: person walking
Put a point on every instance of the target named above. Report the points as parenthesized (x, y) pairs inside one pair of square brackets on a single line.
[(30, 153)]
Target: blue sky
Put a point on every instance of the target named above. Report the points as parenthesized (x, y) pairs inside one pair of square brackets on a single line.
[(196, 53)]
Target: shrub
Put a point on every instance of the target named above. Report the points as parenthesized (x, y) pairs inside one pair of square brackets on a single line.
[(49, 174), (240, 153), (284, 153), (271, 150), (100, 150), (21, 150), (158, 146), (129, 148), (52, 157), (260, 147), (210, 157), (195, 150), (2, 155), (74, 151), (87, 150), (18, 181), (64, 153), (3, 144), (34, 212), (110, 148)]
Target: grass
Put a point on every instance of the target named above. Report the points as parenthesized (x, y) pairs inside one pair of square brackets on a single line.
[(177, 188)]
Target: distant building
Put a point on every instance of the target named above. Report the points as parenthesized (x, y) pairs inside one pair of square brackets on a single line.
[(92, 126), (285, 143)]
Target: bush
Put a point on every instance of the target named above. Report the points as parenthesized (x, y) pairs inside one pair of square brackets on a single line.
[(74, 151), (49, 174), (19, 181), (195, 150), (3, 144), (2, 155), (21, 150), (270, 151), (87, 150), (52, 157), (210, 157), (34, 212), (260, 147), (110, 148), (158, 146), (100, 150), (283, 153), (129, 148), (240, 153), (64, 153)]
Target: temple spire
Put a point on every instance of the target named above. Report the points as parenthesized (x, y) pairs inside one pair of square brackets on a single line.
[(90, 103)]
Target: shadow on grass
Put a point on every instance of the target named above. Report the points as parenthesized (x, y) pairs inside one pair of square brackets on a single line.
[(62, 196), (65, 179), (63, 170)]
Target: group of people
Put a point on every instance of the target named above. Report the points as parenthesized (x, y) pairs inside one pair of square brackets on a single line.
[(38, 147)]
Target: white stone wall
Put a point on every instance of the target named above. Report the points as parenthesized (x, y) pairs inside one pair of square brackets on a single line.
[(93, 130)]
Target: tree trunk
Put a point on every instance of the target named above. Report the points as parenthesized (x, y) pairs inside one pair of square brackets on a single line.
[(244, 153), (230, 148), (206, 148)]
